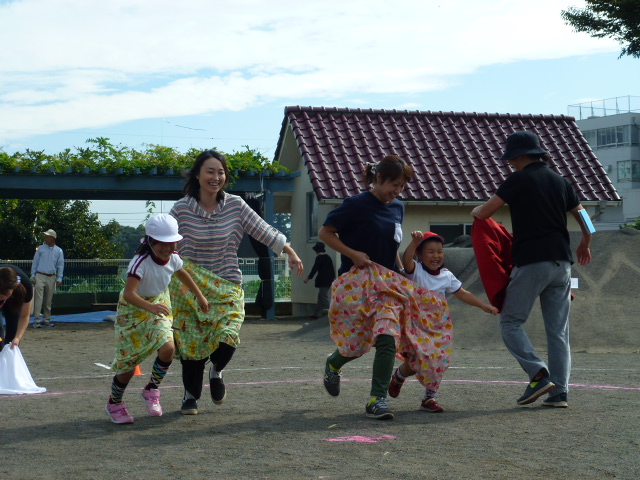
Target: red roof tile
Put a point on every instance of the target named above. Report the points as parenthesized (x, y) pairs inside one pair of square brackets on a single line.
[(455, 156)]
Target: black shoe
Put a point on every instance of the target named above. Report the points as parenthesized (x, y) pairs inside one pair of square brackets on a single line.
[(332, 379), (218, 390), (535, 390), (379, 409), (189, 407), (558, 401)]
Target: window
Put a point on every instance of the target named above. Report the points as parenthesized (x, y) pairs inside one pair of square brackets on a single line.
[(612, 136), (629, 171), (312, 216), (451, 231)]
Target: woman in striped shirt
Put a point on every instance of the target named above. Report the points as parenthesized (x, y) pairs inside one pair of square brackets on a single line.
[(213, 223)]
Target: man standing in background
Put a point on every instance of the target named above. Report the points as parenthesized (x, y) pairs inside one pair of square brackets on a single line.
[(46, 274)]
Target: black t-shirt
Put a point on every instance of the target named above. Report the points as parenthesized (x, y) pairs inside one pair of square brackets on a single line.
[(539, 200), (368, 225), (24, 280), (323, 266)]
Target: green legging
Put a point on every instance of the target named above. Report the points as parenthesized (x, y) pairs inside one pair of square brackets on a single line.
[(382, 364)]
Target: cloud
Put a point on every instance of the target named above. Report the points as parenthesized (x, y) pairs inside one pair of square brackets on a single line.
[(78, 63)]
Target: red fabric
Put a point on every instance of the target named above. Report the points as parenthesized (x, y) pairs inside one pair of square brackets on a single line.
[(492, 247)]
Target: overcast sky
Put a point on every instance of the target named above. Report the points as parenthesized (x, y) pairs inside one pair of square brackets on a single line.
[(219, 73)]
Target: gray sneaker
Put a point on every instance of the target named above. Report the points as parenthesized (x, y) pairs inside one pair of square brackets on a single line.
[(37, 324), (332, 380), (48, 323), (379, 409)]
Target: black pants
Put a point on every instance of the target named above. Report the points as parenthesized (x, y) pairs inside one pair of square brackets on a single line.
[(193, 370)]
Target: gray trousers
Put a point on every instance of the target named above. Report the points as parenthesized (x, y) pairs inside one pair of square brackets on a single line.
[(324, 300), (44, 289), (551, 282)]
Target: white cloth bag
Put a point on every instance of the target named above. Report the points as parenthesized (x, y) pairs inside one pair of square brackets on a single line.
[(15, 378)]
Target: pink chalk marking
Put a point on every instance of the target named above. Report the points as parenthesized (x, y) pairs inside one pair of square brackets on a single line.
[(361, 439)]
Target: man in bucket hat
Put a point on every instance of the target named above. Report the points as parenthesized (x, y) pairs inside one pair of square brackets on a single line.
[(538, 200), (46, 273)]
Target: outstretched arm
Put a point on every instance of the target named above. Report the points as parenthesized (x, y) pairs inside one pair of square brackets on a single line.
[(294, 259), (470, 299)]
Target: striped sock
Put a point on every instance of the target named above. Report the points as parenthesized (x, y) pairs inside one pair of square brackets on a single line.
[(117, 390), (429, 394), (158, 373)]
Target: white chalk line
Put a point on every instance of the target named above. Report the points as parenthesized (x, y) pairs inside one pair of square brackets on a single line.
[(253, 369)]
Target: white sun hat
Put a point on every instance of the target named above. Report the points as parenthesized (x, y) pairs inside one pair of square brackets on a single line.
[(163, 227)]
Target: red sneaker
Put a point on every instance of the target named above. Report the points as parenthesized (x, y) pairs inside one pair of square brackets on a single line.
[(395, 385), (430, 405)]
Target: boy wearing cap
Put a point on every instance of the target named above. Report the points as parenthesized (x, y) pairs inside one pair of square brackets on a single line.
[(46, 273), (430, 273), (144, 320), (323, 266), (539, 200)]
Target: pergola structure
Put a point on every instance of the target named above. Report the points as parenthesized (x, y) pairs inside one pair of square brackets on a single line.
[(152, 185)]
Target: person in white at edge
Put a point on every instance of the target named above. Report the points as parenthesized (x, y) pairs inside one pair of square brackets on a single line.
[(46, 273)]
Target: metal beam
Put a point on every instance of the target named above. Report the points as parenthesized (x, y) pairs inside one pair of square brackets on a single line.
[(120, 187)]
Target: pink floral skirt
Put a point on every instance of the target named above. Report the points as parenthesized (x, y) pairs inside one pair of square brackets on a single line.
[(370, 301)]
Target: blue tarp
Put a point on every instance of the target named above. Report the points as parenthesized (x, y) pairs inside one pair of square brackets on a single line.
[(89, 317)]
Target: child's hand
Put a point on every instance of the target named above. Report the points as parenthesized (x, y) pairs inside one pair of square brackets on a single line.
[(490, 309), (203, 302), (417, 237), (159, 309)]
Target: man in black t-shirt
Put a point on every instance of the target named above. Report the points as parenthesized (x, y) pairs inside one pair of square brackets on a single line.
[(539, 200)]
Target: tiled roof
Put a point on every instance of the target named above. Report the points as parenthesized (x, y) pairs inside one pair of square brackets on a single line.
[(455, 156)]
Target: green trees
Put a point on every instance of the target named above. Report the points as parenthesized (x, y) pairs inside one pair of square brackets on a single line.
[(80, 233), (617, 19)]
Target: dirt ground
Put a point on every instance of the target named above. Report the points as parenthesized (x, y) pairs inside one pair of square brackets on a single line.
[(278, 422)]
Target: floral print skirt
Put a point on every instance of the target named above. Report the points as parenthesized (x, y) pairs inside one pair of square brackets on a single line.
[(198, 334), (371, 301), (139, 333)]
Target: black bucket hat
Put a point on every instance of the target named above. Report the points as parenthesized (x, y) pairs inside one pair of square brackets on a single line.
[(318, 247), (522, 143)]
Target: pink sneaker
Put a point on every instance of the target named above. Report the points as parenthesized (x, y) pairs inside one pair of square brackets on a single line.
[(395, 385), (152, 399), (430, 405), (118, 412)]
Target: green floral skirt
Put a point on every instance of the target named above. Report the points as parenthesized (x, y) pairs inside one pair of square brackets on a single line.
[(198, 334), (140, 333)]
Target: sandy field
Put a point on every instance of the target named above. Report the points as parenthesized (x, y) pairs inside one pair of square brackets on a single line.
[(279, 423)]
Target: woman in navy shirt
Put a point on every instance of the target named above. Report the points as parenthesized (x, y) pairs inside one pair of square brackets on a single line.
[(366, 229)]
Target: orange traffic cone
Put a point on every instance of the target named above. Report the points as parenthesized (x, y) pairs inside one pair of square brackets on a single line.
[(138, 371)]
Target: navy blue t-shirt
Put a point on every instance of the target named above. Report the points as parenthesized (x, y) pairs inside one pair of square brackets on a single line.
[(368, 225), (539, 200)]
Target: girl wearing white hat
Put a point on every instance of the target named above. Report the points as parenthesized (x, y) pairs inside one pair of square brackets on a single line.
[(144, 319)]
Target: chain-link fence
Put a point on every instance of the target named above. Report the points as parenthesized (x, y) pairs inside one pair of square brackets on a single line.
[(110, 275)]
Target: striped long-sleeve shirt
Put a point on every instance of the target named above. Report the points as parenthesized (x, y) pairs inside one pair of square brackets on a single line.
[(212, 240)]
